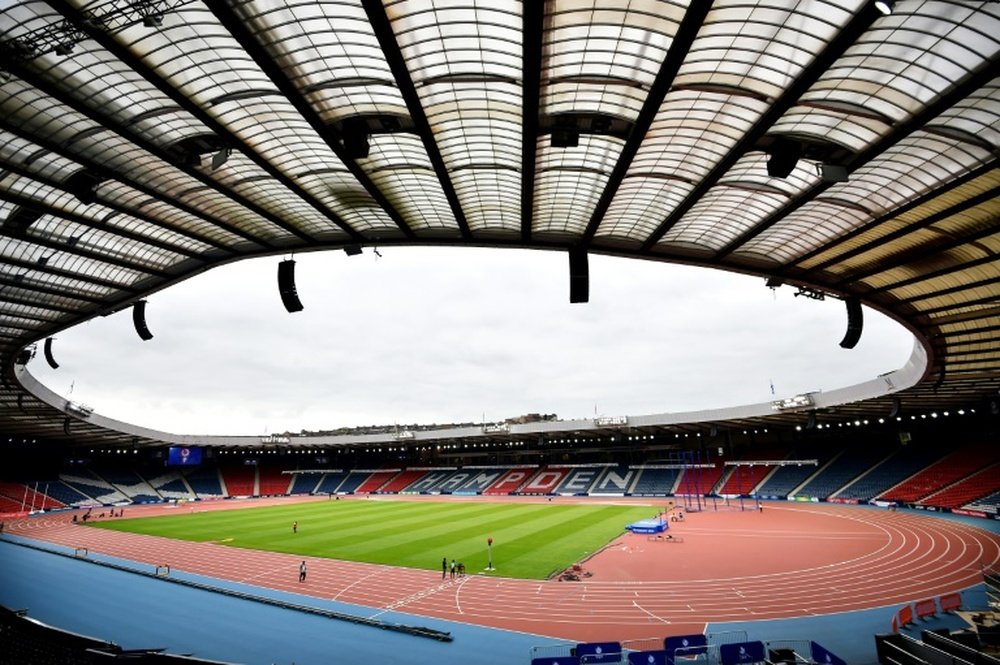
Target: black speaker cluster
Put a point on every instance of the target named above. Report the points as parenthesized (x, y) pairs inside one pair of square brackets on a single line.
[(579, 275), (855, 321), (286, 286)]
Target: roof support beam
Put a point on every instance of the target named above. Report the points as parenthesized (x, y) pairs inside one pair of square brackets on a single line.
[(97, 256), (237, 27), (927, 249), (678, 51), (128, 58), (91, 165), (47, 209), (960, 91), (134, 137), (812, 73), (48, 290), (532, 27), (935, 274), (903, 209), (67, 274), (952, 290), (14, 300), (390, 49), (28, 174)]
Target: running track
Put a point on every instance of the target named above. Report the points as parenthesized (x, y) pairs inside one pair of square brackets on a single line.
[(790, 560)]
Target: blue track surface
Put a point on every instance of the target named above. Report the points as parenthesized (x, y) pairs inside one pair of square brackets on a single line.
[(137, 611)]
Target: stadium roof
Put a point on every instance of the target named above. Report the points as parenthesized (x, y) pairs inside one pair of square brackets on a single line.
[(143, 142)]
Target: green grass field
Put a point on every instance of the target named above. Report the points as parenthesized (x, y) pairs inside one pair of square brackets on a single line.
[(529, 540)]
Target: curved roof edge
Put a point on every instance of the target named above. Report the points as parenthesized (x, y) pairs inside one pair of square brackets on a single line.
[(885, 384)]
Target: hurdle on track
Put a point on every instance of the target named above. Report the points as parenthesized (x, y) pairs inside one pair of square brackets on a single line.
[(660, 538)]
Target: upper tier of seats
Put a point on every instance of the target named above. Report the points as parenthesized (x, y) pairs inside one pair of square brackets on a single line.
[(949, 469)]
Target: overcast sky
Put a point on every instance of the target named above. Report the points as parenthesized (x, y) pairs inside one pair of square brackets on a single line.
[(427, 336)]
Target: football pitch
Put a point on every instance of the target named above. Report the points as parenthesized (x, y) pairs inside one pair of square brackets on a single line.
[(530, 541)]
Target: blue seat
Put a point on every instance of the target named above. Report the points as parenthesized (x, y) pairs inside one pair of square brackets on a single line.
[(660, 657), (681, 646), (742, 653), (556, 660), (599, 652)]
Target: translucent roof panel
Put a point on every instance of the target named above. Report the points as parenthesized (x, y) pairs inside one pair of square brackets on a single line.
[(909, 57), (399, 164), (570, 181), (465, 60), (692, 132), (329, 52), (745, 197), (822, 125), (911, 168), (602, 59), (761, 47)]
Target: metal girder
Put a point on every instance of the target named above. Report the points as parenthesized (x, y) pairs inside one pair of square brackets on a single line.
[(97, 256), (694, 18), (48, 290), (134, 137), (397, 64), (945, 102), (532, 24), (237, 28), (13, 300), (812, 73), (91, 165), (27, 173), (52, 211), (935, 274), (128, 58), (59, 272), (893, 214)]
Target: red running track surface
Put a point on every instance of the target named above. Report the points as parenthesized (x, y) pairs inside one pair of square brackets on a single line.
[(790, 560)]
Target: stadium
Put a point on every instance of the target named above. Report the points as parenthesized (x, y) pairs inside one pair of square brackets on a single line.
[(842, 150)]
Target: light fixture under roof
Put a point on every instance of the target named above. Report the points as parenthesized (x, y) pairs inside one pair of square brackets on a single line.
[(884, 6)]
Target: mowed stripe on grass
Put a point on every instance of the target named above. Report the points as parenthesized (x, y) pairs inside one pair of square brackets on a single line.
[(529, 540)]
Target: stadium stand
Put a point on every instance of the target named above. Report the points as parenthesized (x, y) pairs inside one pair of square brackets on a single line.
[(403, 480), (129, 483), (306, 483), (545, 481), (743, 479), (473, 479), (615, 480), (428, 481), (272, 481), (842, 470), (655, 481), (932, 647), (376, 480), (239, 480), (947, 470), (93, 487), (353, 480), (580, 480), (510, 481), (171, 485), (205, 482), (700, 481), (981, 483), (333, 482), (786, 478), (42, 495), (905, 462), (988, 504)]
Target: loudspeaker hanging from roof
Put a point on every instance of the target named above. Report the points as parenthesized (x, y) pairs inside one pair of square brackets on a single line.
[(286, 286), (579, 275), (139, 320), (855, 321), (49, 358)]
